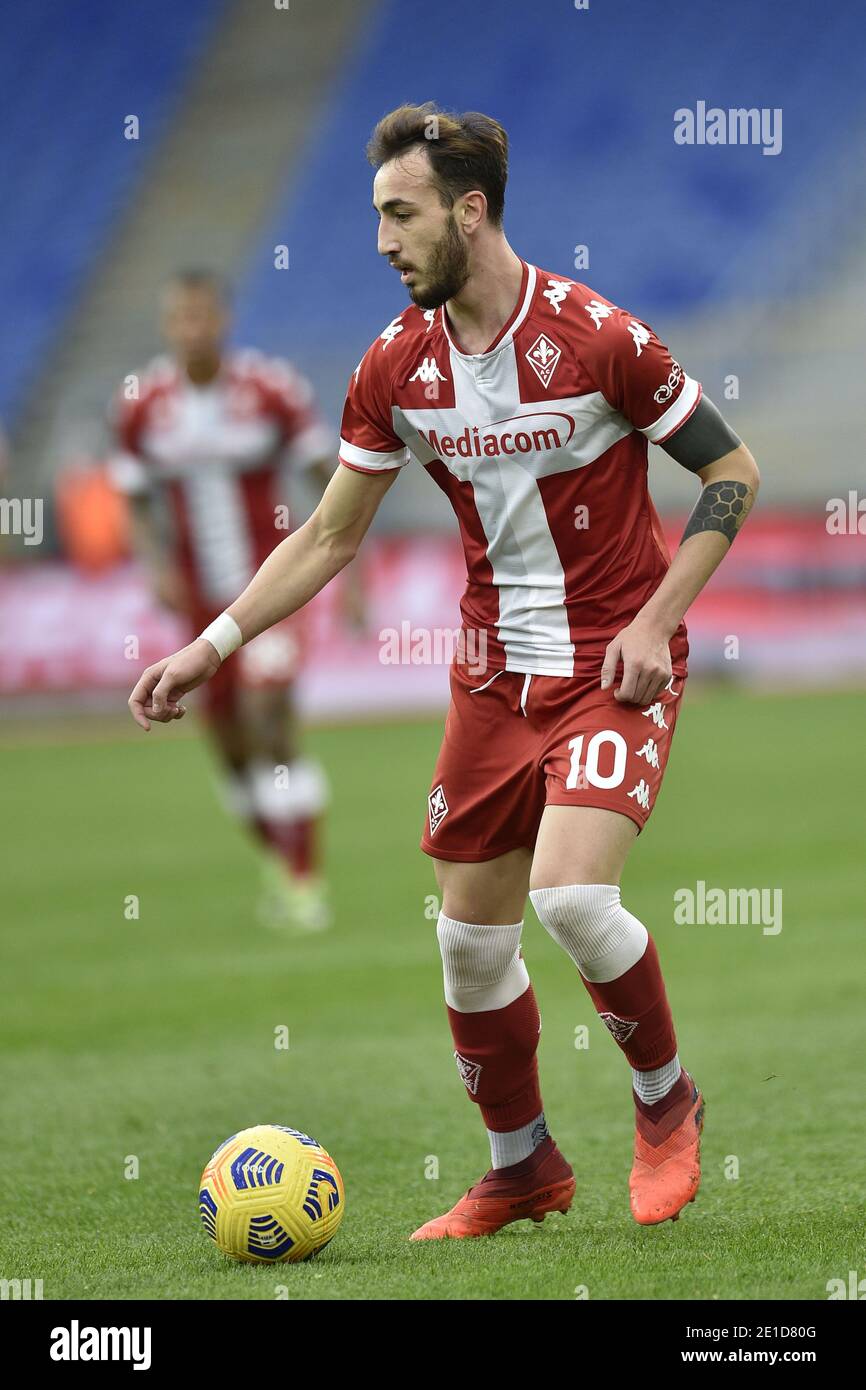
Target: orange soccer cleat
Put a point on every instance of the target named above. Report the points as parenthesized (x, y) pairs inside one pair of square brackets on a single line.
[(666, 1172), (542, 1183)]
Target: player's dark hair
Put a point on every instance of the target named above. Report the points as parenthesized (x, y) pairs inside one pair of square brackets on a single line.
[(202, 278), (467, 152)]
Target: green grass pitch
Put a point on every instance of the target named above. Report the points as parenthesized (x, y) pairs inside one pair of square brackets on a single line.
[(155, 1037)]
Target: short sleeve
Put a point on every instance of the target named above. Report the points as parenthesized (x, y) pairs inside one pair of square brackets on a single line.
[(367, 439), (637, 375)]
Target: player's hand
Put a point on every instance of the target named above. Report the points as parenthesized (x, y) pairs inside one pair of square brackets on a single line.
[(160, 689), (646, 662)]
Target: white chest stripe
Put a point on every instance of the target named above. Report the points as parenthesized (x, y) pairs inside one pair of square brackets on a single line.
[(533, 621), (219, 533)]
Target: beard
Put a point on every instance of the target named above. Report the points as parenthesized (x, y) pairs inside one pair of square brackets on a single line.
[(447, 270)]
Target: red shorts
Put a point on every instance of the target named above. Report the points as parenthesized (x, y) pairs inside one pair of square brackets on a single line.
[(271, 661), (519, 743)]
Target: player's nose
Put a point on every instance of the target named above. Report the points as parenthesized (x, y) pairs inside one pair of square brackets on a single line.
[(387, 244)]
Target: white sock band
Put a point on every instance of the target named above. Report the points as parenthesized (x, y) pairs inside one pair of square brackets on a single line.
[(516, 1144), (223, 634), (481, 964), (288, 792), (650, 1086), (589, 922)]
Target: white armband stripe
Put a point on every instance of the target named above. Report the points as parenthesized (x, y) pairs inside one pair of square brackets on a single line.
[(372, 458)]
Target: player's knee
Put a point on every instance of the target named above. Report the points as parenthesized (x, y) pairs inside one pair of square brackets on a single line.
[(590, 923), (292, 791), (482, 965)]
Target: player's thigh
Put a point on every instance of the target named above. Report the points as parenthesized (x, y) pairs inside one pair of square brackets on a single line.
[(268, 713), (604, 764), (490, 893), (581, 844), (225, 729)]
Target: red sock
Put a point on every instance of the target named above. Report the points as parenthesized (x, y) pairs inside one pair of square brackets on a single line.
[(660, 1119), (636, 1011), (294, 840), (496, 1056)]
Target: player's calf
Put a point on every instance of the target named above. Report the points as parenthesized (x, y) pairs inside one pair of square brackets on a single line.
[(620, 968)]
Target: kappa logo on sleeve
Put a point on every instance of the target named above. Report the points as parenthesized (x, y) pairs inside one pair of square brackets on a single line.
[(389, 334), (598, 312), (557, 291), (437, 808), (640, 335)]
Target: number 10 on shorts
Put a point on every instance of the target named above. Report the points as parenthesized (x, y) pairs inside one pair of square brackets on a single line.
[(590, 770)]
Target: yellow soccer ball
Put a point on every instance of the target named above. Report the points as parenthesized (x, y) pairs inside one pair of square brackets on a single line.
[(270, 1195)]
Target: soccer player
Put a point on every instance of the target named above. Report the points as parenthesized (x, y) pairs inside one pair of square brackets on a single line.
[(529, 399), (209, 435)]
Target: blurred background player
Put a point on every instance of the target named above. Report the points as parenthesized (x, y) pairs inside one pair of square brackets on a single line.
[(207, 437)]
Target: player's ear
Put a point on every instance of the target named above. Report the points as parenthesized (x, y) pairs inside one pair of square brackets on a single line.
[(470, 211)]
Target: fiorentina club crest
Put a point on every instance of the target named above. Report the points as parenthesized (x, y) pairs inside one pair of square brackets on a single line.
[(622, 1028), (437, 808), (543, 357), (469, 1071)]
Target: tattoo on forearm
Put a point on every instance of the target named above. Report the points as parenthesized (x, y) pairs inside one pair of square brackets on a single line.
[(721, 506)]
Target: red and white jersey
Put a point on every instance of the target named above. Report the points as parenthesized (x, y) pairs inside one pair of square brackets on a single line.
[(221, 452), (540, 444)]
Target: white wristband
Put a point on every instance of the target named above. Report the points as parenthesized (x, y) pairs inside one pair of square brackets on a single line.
[(223, 634)]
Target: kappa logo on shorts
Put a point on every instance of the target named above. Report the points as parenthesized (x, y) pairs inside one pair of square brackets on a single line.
[(437, 808), (656, 713), (470, 1072), (641, 794), (622, 1028), (650, 751)]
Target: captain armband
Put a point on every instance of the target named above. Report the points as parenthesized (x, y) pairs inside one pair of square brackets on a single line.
[(705, 437)]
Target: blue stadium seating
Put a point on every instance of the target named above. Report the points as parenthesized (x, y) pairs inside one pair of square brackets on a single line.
[(71, 73), (588, 98)]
